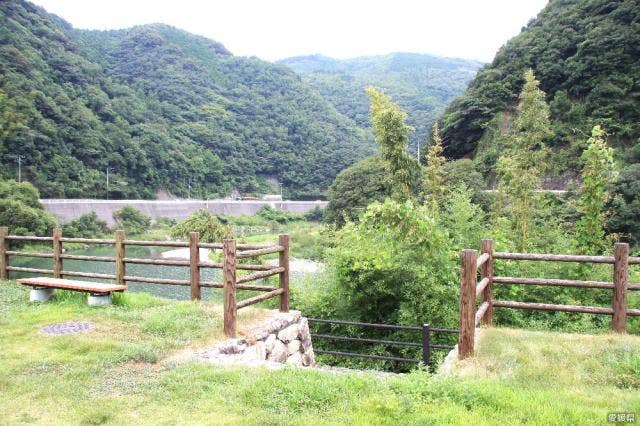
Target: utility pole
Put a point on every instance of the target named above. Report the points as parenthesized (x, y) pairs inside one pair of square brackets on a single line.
[(190, 180), (418, 152), (281, 197), (109, 169), (19, 159)]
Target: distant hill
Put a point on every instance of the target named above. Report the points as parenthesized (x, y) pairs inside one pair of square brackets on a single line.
[(586, 55), (421, 84), (163, 109)]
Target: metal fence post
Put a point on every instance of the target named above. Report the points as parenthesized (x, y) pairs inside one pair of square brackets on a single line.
[(426, 345)]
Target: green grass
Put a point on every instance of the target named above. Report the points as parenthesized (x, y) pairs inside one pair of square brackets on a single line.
[(119, 374)]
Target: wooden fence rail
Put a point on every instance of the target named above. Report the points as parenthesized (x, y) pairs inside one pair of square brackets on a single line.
[(470, 288), (230, 282)]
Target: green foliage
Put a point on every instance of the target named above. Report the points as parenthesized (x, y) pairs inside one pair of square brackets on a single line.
[(625, 204), (422, 84), (520, 169), (585, 55), (434, 173), (164, 109), (279, 215), (378, 266), (314, 215), (354, 188), (464, 172), (23, 192), (21, 211), (86, 226), (598, 173), (463, 218), (132, 220), (392, 135), (207, 225)]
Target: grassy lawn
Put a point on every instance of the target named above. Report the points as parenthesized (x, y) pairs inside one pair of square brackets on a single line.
[(118, 373)]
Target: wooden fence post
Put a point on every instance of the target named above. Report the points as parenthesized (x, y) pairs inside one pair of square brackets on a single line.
[(229, 287), (57, 253), (486, 246), (468, 280), (4, 247), (620, 282), (283, 240), (120, 255), (194, 268)]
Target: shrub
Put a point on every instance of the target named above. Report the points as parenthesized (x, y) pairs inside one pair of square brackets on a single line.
[(314, 215), (209, 226), (86, 226), (280, 216), (132, 220), (25, 220)]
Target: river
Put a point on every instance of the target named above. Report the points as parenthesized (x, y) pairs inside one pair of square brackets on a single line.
[(161, 290)]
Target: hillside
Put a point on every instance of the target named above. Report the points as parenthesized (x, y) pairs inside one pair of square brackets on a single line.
[(421, 84), (162, 109), (586, 55)]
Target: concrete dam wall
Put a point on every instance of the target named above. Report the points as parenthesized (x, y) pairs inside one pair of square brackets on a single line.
[(67, 210)]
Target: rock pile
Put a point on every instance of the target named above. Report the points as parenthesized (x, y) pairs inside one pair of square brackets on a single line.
[(283, 338)]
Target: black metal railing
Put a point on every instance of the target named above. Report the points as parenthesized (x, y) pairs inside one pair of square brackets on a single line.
[(425, 342)]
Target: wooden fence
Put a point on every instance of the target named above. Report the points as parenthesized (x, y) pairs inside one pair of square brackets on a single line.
[(231, 282), (471, 288)]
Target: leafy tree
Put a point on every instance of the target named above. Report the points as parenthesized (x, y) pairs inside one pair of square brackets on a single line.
[(434, 172), (464, 172), (625, 204), (463, 218), (355, 188), (21, 210), (207, 225), (598, 173), (519, 170), (132, 220), (86, 226), (391, 134)]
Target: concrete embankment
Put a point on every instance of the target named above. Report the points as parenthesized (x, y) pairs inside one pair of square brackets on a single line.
[(68, 210)]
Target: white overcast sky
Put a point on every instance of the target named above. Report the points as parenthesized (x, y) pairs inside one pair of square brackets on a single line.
[(276, 29)]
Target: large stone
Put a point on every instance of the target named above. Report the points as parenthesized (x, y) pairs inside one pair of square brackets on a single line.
[(99, 299), (293, 347), (41, 294), (271, 340), (278, 353), (261, 350), (309, 358), (295, 359), (231, 347), (288, 334)]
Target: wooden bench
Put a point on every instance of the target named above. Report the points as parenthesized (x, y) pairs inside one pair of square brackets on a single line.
[(44, 288)]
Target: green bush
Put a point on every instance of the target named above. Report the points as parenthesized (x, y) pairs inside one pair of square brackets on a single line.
[(355, 188), (86, 226), (279, 216), (209, 226), (21, 210), (314, 215), (25, 220), (132, 220)]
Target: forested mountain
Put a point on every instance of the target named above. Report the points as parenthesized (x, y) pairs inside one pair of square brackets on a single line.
[(421, 84), (586, 55), (162, 109)]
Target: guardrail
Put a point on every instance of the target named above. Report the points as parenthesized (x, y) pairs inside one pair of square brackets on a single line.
[(471, 288), (231, 252), (425, 343)]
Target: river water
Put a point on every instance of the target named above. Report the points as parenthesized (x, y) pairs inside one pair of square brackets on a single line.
[(155, 271)]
